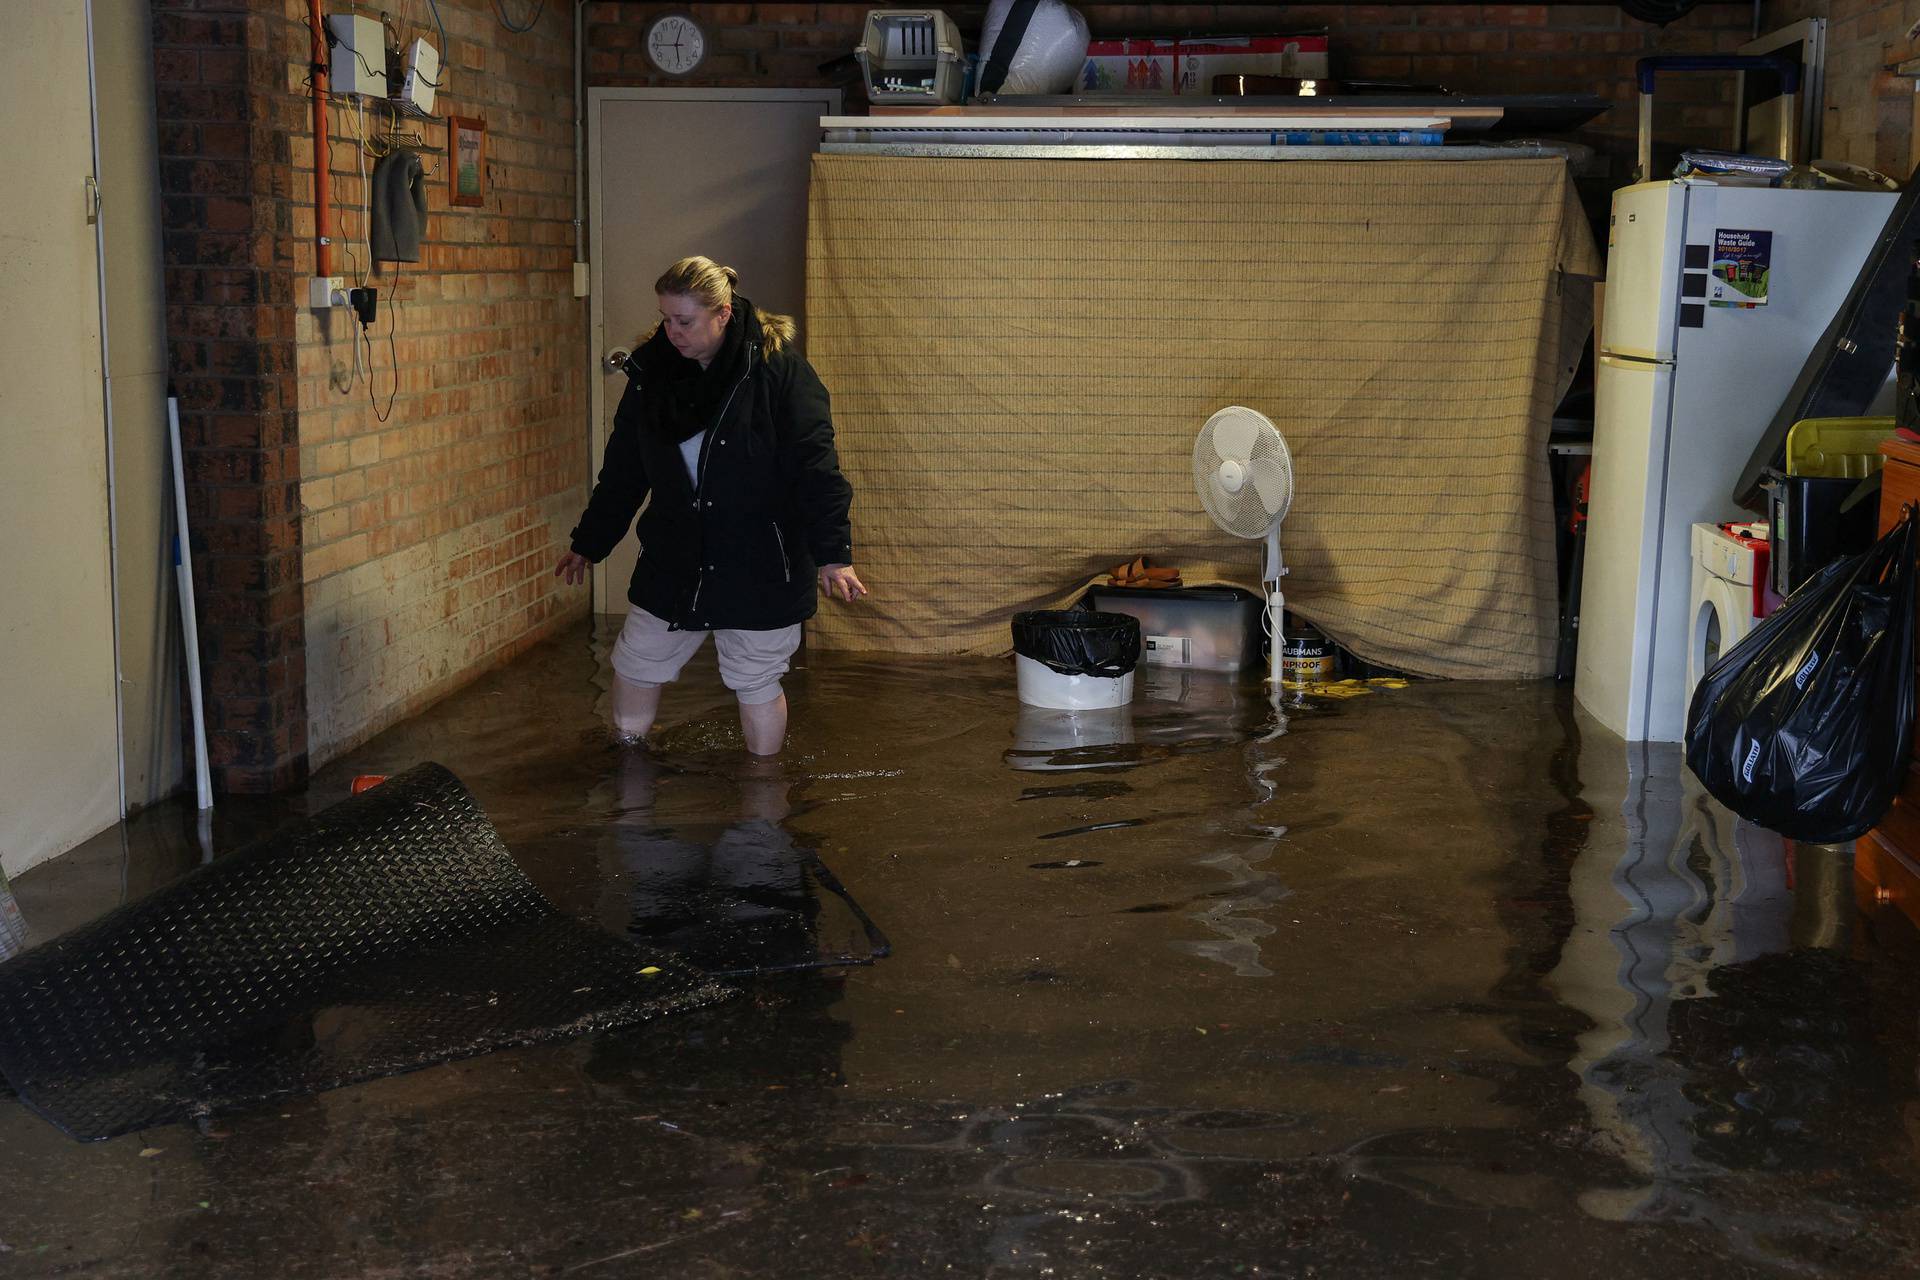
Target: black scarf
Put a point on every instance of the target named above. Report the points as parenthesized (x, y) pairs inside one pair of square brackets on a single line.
[(692, 397)]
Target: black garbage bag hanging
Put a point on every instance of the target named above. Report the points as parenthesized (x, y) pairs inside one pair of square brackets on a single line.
[(1804, 727)]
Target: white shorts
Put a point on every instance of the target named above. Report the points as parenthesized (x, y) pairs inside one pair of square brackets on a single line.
[(650, 654)]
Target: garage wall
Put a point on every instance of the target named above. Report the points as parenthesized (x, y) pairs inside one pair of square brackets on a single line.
[(355, 564), (59, 761), (430, 538), (1470, 48), (1870, 111), (150, 650)]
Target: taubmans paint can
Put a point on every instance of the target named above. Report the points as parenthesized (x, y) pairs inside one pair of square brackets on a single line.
[(1307, 655)]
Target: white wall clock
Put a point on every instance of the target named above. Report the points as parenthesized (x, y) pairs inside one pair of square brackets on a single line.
[(676, 44)]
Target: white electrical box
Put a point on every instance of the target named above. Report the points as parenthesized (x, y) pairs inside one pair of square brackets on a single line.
[(423, 76), (326, 291), (359, 62)]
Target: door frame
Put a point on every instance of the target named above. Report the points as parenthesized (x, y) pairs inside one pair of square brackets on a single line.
[(604, 601)]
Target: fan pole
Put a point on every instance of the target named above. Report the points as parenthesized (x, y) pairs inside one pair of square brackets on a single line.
[(1276, 607)]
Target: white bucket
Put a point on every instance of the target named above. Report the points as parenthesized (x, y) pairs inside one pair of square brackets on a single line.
[(1042, 686)]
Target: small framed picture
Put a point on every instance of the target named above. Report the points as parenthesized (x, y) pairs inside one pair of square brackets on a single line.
[(467, 161)]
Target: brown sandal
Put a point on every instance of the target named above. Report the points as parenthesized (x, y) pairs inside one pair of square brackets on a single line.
[(1142, 573)]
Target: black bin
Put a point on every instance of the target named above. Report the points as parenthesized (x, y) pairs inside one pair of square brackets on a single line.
[(1807, 529), (1078, 641)]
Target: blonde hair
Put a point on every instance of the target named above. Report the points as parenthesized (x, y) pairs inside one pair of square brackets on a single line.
[(712, 285)]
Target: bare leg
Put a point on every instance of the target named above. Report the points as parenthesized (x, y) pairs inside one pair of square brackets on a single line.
[(764, 724), (634, 707)]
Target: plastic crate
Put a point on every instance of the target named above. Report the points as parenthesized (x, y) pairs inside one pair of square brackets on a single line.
[(1837, 448), (912, 55)]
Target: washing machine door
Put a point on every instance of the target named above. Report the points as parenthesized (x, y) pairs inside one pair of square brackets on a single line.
[(1722, 617)]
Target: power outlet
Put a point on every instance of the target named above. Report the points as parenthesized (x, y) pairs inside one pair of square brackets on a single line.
[(326, 291), (581, 282)]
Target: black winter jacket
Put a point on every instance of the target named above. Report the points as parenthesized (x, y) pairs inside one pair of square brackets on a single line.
[(740, 551)]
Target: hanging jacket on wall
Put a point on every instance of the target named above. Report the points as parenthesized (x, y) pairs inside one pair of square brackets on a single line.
[(398, 206), (738, 548)]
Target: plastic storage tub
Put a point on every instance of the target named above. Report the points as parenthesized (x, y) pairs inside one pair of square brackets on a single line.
[(1836, 447), (1205, 628), (1075, 659)]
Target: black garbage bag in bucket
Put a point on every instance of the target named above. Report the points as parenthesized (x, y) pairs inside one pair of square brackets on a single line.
[(1078, 642), (1804, 726)]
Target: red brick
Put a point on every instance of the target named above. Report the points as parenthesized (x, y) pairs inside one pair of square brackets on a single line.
[(1449, 15), (1514, 15), (748, 38), (786, 15), (837, 39), (1544, 41), (223, 66), (1196, 18)]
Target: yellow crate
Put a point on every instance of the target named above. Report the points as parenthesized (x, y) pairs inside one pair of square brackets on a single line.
[(1841, 448)]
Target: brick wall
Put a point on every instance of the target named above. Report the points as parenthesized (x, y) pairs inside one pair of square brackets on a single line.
[(352, 570), (229, 287), (430, 538), (1869, 112), (1469, 48)]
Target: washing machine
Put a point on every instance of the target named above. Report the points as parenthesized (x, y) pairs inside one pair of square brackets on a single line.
[(1730, 592)]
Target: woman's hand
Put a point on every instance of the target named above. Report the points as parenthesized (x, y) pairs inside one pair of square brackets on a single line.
[(573, 567), (841, 583)]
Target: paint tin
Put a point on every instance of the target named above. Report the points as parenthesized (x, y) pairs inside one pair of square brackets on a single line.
[(1307, 655)]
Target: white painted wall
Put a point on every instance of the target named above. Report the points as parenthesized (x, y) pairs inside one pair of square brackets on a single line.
[(137, 388), (58, 747)]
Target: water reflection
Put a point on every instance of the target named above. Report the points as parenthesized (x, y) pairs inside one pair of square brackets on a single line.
[(733, 898), (1175, 713), (1714, 1043), (1046, 741)]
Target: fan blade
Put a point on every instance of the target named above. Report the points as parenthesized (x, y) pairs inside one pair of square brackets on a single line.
[(1233, 438), (1271, 481)]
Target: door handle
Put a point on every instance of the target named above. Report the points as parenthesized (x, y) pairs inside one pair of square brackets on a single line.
[(615, 361)]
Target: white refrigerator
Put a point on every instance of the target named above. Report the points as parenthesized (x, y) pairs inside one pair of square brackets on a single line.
[(1715, 297)]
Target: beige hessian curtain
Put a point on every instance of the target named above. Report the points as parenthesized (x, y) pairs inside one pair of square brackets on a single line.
[(1021, 351)]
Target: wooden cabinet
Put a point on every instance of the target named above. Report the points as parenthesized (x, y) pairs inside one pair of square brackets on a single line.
[(1886, 861)]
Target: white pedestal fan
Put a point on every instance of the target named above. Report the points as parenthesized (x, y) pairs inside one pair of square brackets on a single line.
[(1244, 472)]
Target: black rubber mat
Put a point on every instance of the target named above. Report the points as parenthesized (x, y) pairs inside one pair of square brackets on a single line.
[(390, 932)]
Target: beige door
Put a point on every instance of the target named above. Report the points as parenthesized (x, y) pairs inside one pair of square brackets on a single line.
[(720, 172), (59, 750)]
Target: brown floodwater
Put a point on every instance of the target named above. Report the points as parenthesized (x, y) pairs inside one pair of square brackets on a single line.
[(1438, 980)]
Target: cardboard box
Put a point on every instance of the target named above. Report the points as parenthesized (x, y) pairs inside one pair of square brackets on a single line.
[(1140, 66), (1199, 61), (1129, 66)]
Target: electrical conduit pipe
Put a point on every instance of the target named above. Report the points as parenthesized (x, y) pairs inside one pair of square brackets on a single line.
[(322, 179)]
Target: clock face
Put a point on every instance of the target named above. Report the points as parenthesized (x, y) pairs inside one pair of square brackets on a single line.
[(676, 44)]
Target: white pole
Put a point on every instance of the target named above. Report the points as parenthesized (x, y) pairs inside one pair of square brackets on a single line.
[(1276, 607), (190, 631)]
